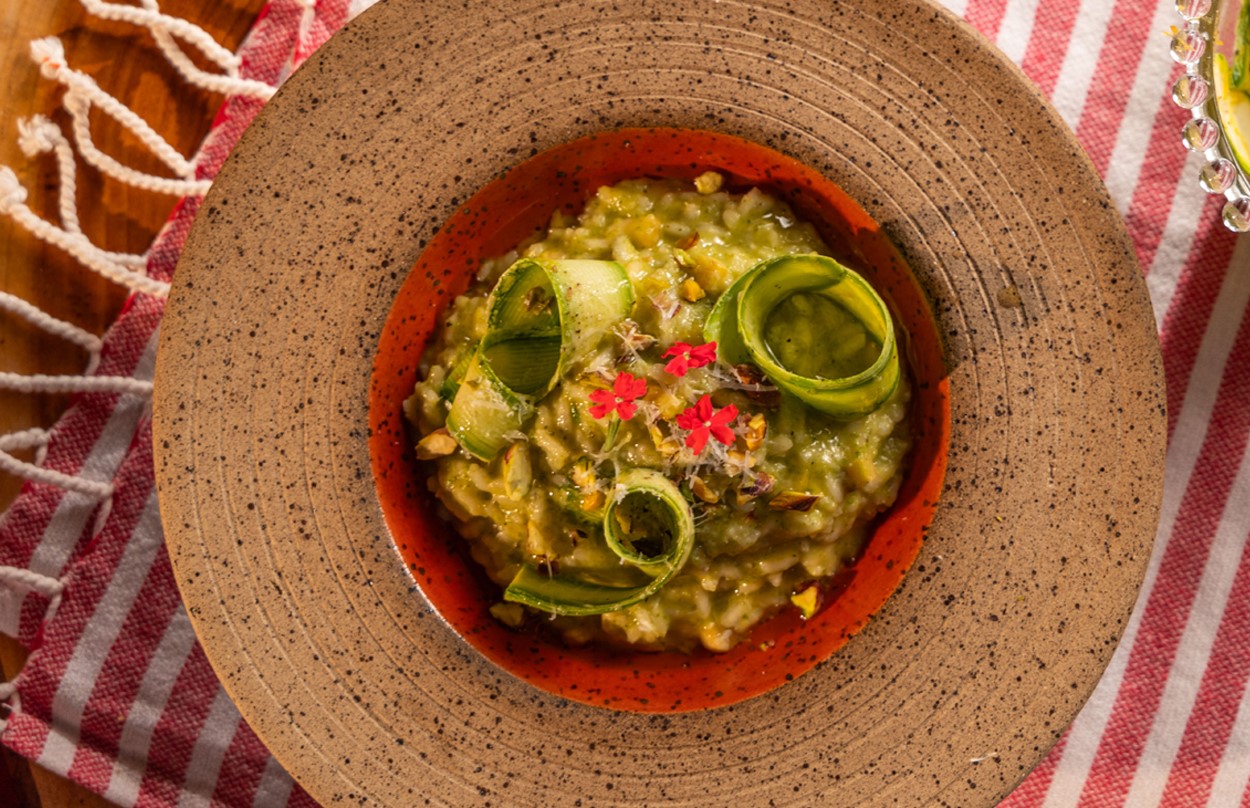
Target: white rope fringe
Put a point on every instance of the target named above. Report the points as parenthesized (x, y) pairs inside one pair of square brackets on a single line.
[(79, 108), (39, 383), (13, 203), (38, 474), (49, 54), (228, 84), (24, 580), (149, 17), (38, 134), (33, 438), (58, 328)]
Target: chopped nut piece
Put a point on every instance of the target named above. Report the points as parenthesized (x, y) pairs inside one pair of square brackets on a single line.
[(666, 446), (535, 542), (623, 520), (537, 299), (510, 614), (756, 385), (593, 501), (793, 501), (689, 241), (583, 474), (599, 378), (670, 405), (756, 429), (759, 485), (750, 374), (740, 459), (701, 490), (709, 182), (808, 601), (691, 290), (438, 443), (645, 232), (518, 474), (708, 272)]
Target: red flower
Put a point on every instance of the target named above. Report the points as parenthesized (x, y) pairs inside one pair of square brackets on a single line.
[(620, 399), (686, 357), (703, 420)]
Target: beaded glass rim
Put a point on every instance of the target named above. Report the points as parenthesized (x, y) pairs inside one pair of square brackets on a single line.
[(1194, 91)]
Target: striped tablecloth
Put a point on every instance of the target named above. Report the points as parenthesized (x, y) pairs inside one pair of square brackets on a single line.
[(118, 696)]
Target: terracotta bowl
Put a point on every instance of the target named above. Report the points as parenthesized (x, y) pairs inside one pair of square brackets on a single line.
[(341, 616)]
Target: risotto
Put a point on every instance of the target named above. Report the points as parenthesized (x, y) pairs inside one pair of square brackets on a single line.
[(666, 420)]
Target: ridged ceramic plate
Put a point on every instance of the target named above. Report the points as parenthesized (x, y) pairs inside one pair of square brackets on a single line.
[(280, 539)]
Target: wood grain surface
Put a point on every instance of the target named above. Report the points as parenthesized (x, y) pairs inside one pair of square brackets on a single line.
[(124, 61)]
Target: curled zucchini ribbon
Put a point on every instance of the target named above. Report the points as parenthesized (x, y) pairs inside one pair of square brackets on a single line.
[(648, 513), (541, 318), (737, 324)]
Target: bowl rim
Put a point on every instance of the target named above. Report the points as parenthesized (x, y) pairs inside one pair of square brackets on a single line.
[(779, 649)]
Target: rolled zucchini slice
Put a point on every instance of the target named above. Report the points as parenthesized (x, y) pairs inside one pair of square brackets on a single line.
[(650, 528), (817, 329), (542, 317)]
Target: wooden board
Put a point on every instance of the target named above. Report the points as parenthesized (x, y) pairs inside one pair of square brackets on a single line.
[(113, 215)]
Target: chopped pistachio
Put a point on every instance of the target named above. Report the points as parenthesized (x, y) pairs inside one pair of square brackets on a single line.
[(708, 272), (510, 614), (537, 299), (793, 501), (623, 520), (689, 241), (670, 405), (747, 373), (691, 291), (593, 501), (759, 485), (438, 443), (709, 182), (645, 232), (808, 600), (739, 461), (757, 427), (536, 542), (599, 378), (518, 475), (700, 489), (665, 446), (583, 474)]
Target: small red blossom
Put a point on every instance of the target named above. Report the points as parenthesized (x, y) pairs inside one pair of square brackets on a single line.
[(703, 420), (626, 389), (687, 357)]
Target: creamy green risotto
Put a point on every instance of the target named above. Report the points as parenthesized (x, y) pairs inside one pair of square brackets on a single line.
[(666, 420)]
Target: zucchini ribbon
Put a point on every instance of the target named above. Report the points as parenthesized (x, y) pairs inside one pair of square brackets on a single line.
[(737, 324), (648, 525), (541, 318)]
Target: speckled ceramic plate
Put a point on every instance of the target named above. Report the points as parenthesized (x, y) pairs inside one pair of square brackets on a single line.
[(964, 678)]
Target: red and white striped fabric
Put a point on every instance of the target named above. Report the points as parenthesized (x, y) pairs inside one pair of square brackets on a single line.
[(118, 696)]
